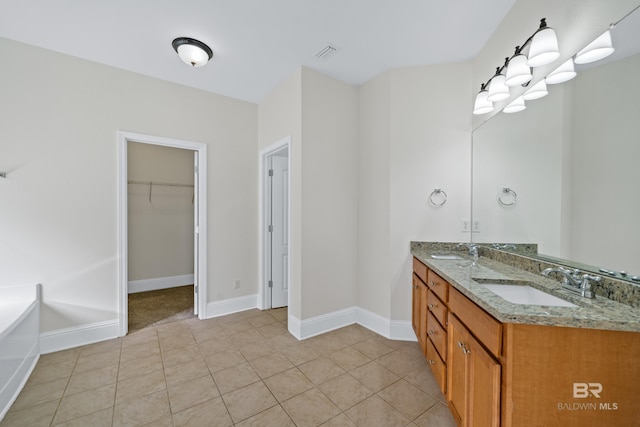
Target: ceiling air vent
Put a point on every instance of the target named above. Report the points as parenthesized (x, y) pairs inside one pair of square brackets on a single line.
[(327, 51)]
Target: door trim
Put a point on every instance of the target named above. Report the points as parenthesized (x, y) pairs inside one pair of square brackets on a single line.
[(123, 269), (263, 258)]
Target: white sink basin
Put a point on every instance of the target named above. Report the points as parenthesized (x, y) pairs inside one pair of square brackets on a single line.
[(434, 256), (522, 294)]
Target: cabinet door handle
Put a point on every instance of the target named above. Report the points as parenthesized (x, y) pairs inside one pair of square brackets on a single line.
[(432, 305), (434, 283), (460, 344), (432, 332), (464, 348), (431, 362)]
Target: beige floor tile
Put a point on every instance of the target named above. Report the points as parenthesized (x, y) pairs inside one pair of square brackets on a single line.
[(246, 337), (236, 325), (136, 367), (178, 356), (248, 401), (236, 377), (272, 330), (185, 372), (257, 349), (270, 365), (216, 345), (310, 409), (90, 362), (345, 391), (340, 420), (164, 421), (282, 341), (437, 416), (190, 393), (176, 340), (40, 393), (262, 320), (64, 356), (327, 343), (402, 361), (353, 334), (142, 410), (374, 376), (136, 351), (81, 404), (101, 347), (92, 379), (50, 372), (288, 384), (349, 358), (407, 398), (321, 370), (300, 352), (272, 417), (211, 332), (33, 416), (141, 336), (101, 418), (375, 412), (212, 413), (373, 348), (139, 386), (423, 379), (280, 314), (225, 359)]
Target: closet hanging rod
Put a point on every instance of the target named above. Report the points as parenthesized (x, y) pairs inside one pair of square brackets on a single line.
[(168, 184)]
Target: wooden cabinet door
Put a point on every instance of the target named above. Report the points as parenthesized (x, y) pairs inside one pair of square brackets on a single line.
[(419, 312), (415, 315), (484, 387), (457, 370)]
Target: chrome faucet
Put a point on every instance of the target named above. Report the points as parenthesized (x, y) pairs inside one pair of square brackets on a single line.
[(473, 249), (574, 281)]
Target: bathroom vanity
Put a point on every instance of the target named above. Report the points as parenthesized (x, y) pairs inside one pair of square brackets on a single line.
[(575, 362)]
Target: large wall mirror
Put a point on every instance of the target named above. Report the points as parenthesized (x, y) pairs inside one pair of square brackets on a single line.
[(565, 172)]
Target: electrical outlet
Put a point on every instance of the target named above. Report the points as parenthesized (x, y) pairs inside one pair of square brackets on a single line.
[(465, 225), (476, 225), (236, 284)]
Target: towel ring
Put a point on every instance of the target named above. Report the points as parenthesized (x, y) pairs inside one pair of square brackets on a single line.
[(439, 193), (507, 197)]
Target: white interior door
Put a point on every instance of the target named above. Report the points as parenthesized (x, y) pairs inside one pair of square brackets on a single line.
[(196, 235), (279, 231)]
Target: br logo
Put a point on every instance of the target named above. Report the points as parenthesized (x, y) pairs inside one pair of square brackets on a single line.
[(583, 390)]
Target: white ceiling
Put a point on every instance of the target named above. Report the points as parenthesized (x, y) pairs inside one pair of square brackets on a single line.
[(256, 43)]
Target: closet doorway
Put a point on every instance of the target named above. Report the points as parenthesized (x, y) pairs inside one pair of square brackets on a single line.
[(162, 202)]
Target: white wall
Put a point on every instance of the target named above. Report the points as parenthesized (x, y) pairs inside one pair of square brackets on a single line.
[(160, 228), (58, 222)]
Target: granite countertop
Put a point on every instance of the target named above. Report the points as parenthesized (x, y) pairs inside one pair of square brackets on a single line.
[(597, 313)]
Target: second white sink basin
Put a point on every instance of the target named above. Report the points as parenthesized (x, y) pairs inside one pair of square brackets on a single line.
[(523, 294)]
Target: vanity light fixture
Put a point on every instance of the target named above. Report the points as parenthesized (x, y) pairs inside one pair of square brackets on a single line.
[(562, 74), (192, 52), (537, 91), (515, 106), (482, 105), (596, 50), (543, 50)]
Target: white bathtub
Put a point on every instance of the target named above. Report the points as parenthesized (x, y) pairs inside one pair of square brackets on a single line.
[(19, 338)]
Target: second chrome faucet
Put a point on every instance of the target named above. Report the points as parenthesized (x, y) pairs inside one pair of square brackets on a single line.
[(575, 281)]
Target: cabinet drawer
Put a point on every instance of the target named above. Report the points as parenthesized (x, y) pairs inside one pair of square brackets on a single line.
[(485, 328), (438, 335), (438, 367), (437, 307), (420, 269), (438, 285)]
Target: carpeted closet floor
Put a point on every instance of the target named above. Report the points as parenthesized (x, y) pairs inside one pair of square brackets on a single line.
[(154, 308)]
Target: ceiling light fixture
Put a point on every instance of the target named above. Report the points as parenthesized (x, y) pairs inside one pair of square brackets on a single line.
[(562, 74), (596, 50), (192, 52), (537, 91), (543, 50), (482, 105), (515, 106)]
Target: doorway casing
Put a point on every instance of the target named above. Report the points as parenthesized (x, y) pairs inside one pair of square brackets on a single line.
[(264, 294), (200, 224)]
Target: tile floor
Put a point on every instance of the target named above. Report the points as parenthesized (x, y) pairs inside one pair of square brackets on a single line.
[(244, 369)]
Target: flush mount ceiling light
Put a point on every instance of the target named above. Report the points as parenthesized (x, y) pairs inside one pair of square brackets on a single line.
[(563, 73), (192, 52), (597, 49)]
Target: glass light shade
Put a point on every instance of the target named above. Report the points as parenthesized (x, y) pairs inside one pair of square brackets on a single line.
[(537, 91), (515, 106), (192, 55), (563, 73), (544, 48), (482, 104), (518, 72), (497, 89), (597, 49)]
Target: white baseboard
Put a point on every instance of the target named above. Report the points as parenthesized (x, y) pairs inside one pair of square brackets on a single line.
[(144, 285), (77, 336), (9, 392), (231, 305), (392, 329)]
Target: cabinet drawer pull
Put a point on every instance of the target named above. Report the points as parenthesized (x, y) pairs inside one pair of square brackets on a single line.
[(432, 332), (431, 362), (432, 305), (463, 347), (434, 283)]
